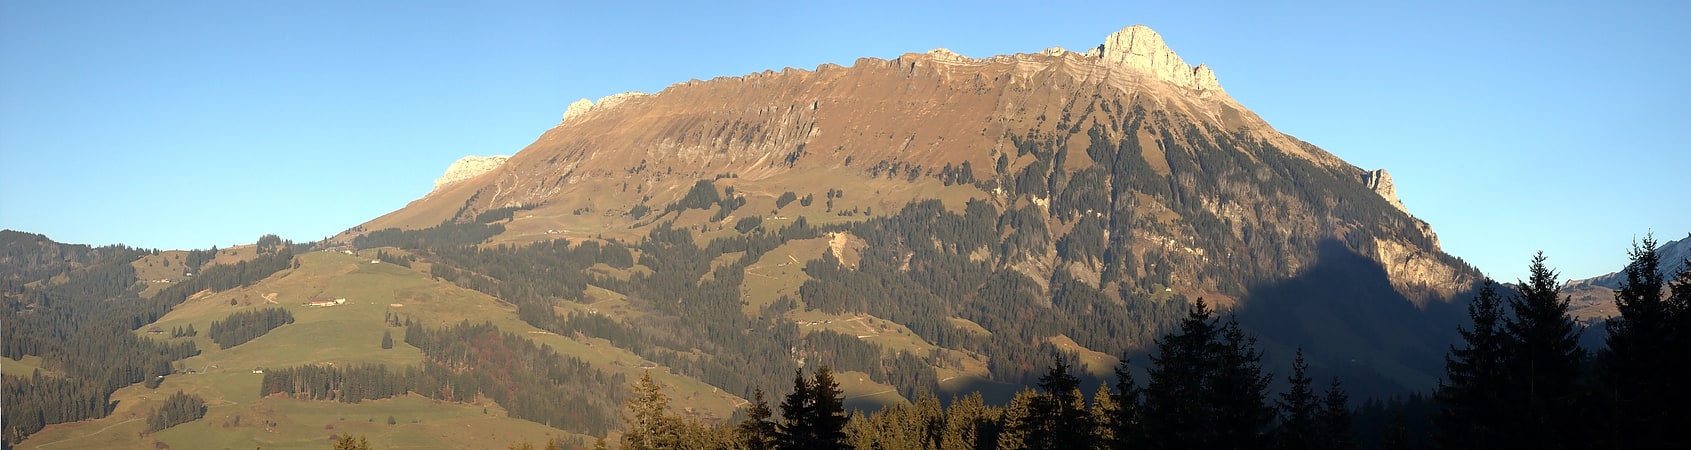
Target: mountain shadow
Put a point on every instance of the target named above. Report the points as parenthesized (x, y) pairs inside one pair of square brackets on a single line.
[(1351, 323)]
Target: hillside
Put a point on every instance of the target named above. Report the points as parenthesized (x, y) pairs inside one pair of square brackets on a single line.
[(1110, 184)]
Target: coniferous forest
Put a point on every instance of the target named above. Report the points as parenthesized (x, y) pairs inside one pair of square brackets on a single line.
[(1517, 380)]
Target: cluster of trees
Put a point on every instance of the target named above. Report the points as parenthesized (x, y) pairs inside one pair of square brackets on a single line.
[(246, 325), (177, 409), (395, 259), (534, 383), (1207, 389), (1520, 378), (703, 195), (447, 233)]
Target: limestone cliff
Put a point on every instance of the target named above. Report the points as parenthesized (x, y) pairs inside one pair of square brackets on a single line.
[(1142, 49), (1381, 183), (468, 167)]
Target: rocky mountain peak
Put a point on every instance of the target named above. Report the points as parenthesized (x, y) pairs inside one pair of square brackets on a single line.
[(1141, 48), (1381, 183), (468, 167)]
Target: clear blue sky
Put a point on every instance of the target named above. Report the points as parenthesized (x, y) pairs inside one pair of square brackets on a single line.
[(1511, 127)]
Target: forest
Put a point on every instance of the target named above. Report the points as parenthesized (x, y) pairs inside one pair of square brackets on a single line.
[(1517, 380)]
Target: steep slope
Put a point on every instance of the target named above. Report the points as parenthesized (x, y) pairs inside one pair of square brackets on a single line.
[(1103, 186)]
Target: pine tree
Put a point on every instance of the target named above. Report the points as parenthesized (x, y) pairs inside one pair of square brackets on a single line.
[(1299, 426), (387, 340), (1544, 362), (1645, 390), (756, 432), (649, 427), (1471, 409)]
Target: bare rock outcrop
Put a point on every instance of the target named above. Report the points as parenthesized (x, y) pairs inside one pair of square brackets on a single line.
[(1381, 183), (580, 108), (468, 167), (1142, 49)]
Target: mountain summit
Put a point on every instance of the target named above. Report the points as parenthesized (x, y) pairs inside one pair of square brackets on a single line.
[(1121, 172), (1141, 48)]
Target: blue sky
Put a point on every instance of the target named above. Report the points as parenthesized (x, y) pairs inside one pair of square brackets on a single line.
[(1511, 127)]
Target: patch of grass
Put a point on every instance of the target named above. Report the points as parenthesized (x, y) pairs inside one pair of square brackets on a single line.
[(25, 367), (1097, 363), (779, 272)]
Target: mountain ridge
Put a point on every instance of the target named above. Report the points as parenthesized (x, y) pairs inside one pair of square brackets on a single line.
[(831, 117)]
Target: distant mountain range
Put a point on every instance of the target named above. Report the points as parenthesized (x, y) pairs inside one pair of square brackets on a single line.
[(1673, 255)]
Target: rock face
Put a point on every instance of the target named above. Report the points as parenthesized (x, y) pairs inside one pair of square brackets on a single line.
[(1381, 183), (468, 167), (580, 108), (1143, 49)]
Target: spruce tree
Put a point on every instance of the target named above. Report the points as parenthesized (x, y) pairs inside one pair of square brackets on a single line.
[(796, 429), (1207, 387), (1175, 413), (1544, 362), (1334, 420), (1298, 407), (1123, 421), (1471, 408), (813, 416), (1014, 421), (1058, 418), (969, 424), (1238, 391), (649, 427), (1104, 407), (1644, 387), (827, 409), (757, 432)]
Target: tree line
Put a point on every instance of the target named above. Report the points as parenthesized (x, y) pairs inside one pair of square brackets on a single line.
[(1520, 378), (1206, 389)]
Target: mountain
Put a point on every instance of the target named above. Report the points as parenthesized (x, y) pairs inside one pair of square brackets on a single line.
[(1592, 300), (1119, 169), (1673, 255), (932, 222)]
